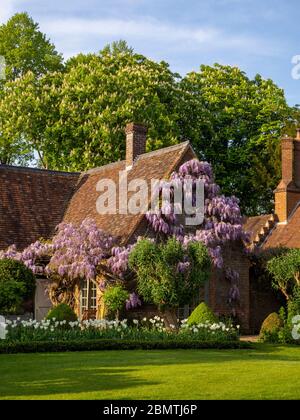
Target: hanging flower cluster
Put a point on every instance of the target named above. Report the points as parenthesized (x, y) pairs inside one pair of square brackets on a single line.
[(118, 262), (30, 256), (234, 294), (77, 251), (133, 301), (222, 217)]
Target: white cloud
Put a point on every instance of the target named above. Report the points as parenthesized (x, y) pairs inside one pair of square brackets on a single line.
[(6, 10), (66, 32), (144, 29)]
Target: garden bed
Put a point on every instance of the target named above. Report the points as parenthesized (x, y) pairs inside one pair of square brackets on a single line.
[(54, 336)]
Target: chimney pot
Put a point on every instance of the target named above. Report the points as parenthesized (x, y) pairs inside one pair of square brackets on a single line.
[(136, 135)]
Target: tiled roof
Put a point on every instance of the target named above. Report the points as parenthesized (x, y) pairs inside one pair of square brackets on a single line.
[(286, 235), (32, 203), (158, 165), (266, 233), (253, 225), (259, 228)]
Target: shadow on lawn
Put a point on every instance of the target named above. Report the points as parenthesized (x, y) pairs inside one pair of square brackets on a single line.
[(71, 381)]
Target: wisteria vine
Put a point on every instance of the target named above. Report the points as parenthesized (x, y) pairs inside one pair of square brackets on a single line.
[(76, 252)]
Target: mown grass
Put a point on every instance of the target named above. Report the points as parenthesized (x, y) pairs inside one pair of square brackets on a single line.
[(266, 372)]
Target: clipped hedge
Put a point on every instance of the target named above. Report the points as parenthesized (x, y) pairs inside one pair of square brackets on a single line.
[(62, 312), (201, 314), (92, 345), (271, 327)]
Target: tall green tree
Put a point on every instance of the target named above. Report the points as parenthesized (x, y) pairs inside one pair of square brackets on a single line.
[(235, 123), (29, 108), (25, 48), (28, 55)]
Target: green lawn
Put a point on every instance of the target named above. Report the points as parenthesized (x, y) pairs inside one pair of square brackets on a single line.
[(264, 373)]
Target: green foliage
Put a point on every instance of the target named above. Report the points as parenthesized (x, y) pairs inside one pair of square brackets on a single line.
[(271, 327), (233, 122), (285, 270), (282, 323), (115, 297), (62, 312), (84, 109), (115, 344), (158, 279), (29, 55), (17, 283), (26, 48), (201, 314)]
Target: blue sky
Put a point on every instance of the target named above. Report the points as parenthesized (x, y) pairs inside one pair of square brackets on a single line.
[(259, 36)]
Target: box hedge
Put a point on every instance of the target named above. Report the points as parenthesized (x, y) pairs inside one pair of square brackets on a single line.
[(92, 345)]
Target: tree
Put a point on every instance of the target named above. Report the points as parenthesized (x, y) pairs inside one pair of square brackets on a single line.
[(169, 274), (29, 108), (235, 123), (115, 298), (17, 283), (285, 270), (28, 55), (25, 48), (78, 117)]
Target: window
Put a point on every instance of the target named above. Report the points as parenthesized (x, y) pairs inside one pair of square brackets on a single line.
[(88, 296)]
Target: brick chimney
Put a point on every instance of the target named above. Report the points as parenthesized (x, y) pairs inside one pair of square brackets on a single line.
[(136, 135), (287, 194)]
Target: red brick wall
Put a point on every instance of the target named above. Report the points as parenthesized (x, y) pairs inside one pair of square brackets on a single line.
[(263, 301), (219, 286)]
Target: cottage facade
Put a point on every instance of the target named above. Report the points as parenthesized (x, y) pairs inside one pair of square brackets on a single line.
[(34, 201)]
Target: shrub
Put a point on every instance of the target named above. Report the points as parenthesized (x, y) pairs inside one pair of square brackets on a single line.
[(62, 312), (168, 274), (17, 283), (114, 298), (285, 271), (201, 314), (115, 344), (271, 327)]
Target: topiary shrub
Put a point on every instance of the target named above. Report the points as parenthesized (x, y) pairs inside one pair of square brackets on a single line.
[(114, 298), (201, 314), (17, 283), (271, 327), (62, 312)]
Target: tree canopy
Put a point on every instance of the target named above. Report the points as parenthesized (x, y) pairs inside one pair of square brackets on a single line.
[(235, 123), (26, 48), (72, 116)]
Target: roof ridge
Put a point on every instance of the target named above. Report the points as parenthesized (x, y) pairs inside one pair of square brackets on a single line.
[(100, 168), (38, 170), (143, 156), (163, 150)]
